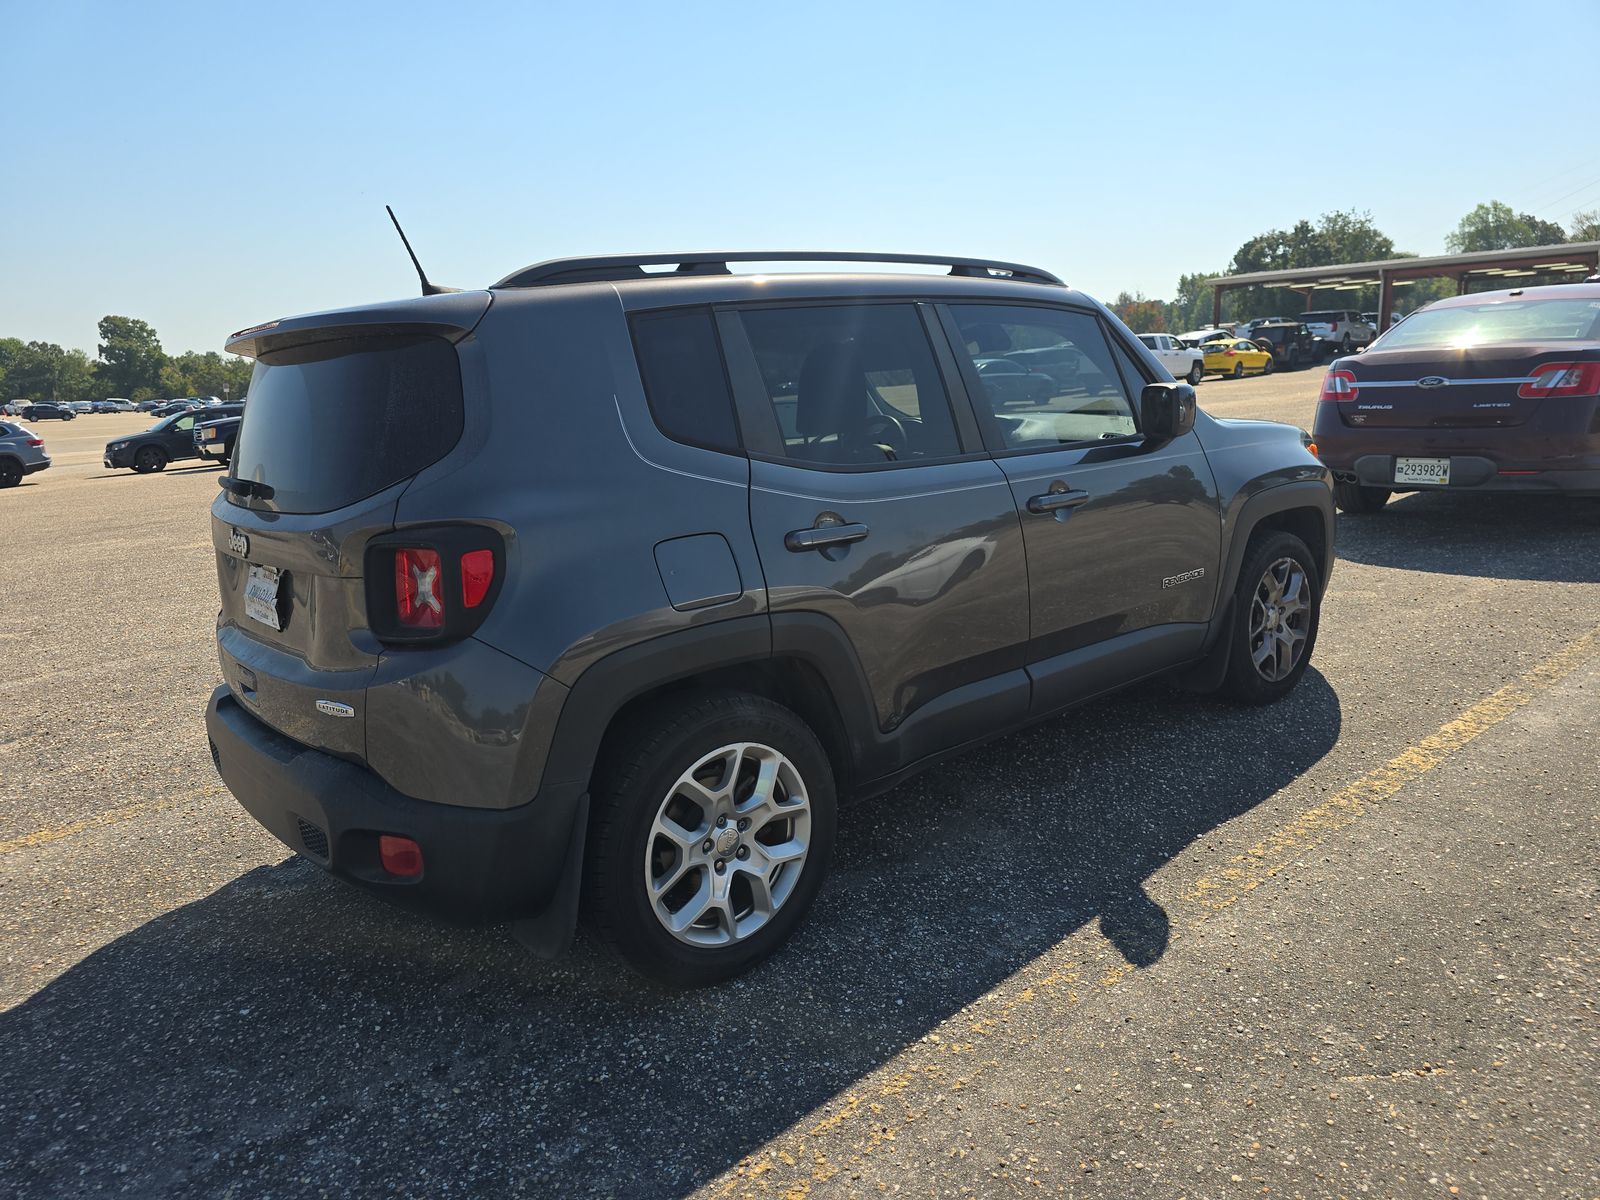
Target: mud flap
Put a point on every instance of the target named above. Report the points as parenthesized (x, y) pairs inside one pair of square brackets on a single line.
[(548, 934), (1207, 674)]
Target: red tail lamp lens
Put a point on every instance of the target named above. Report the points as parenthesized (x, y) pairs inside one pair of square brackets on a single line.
[(35, 441), (418, 599), (1562, 379), (1339, 385), (400, 855), (477, 573)]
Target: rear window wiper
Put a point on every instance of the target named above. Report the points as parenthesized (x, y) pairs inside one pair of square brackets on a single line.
[(244, 487)]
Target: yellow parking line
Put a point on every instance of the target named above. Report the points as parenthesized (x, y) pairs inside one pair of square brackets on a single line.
[(950, 1058), (111, 816)]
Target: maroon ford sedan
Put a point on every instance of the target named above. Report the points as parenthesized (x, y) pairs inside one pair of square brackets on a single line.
[(1494, 392)]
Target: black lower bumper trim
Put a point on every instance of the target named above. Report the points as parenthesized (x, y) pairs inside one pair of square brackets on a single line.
[(478, 864)]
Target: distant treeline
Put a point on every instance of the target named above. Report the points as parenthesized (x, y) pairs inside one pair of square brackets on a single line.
[(131, 365)]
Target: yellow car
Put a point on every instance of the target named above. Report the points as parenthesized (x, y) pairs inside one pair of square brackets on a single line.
[(1234, 359)]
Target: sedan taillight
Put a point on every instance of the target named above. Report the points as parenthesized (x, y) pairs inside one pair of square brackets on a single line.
[(1338, 385), (1562, 379)]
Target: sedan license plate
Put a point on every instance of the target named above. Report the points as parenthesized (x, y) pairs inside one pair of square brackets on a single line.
[(1422, 470), (261, 596)]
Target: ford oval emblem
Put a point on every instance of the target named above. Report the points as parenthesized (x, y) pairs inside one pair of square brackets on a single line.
[(1432, 381)]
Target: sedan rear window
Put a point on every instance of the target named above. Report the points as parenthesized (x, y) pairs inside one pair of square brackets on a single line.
[(331, 423), (1508, 321)]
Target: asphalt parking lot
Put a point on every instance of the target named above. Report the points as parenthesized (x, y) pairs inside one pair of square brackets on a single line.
[(1347, 945)]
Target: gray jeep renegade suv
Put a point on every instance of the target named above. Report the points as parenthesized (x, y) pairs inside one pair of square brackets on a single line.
[(601, 587)]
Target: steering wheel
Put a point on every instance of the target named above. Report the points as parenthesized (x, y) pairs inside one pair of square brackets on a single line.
[(882, 428)]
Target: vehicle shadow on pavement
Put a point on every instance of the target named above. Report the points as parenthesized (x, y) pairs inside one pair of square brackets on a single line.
[(1551, 539), (289, 1034)]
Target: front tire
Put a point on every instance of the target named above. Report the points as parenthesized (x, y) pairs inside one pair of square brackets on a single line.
[(710, 836), (1270, 366), (1277, 604), (1354, 498), (150, 458), (1196, 373)]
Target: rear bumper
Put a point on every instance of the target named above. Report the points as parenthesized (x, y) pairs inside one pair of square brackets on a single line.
[(43, 464), (1471, 473), (478, 864)]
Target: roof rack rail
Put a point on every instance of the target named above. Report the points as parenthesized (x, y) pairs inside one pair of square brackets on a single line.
[(605, 267)]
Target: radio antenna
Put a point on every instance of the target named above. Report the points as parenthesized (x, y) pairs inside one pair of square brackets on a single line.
[(428, 289)]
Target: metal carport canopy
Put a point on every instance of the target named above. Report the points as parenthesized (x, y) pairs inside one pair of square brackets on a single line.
[(1574, 258)]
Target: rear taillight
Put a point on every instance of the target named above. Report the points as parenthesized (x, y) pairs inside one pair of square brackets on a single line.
[(1333, 327), (1227, 353), (1338, 385), (1562, 379), (35, 441), (433, 583), (418, 599)]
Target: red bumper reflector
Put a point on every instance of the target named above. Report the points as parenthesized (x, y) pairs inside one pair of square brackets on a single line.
[(1521, 472), (400, 856)]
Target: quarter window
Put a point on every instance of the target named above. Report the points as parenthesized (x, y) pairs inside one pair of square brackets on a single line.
[(680, 363), (852, 385), (1069, 389)]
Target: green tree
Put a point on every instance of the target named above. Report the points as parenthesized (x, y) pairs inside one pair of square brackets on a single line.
[(1336, 237), (46, 371), (1140, 313), (207, 374), (1585, 226), (130, 356), (1495, 226)]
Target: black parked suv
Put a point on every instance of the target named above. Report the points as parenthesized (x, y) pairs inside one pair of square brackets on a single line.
[(600, 588), (1291, 343), (169, 439)]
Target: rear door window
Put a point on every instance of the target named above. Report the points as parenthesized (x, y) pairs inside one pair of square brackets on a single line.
[(1071, 390), (331, 423), (852, 385)]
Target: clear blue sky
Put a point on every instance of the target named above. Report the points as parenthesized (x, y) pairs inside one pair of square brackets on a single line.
[(208, 166)]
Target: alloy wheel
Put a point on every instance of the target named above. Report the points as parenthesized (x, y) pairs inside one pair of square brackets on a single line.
[(1280, 616), (728, 845)]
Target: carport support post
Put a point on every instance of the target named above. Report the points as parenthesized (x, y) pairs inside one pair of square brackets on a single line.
[(1385, 299), (1461, 284), (1216, 305)]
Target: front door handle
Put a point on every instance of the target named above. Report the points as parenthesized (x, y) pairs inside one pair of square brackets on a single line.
[(1052, 501), (820, 537)]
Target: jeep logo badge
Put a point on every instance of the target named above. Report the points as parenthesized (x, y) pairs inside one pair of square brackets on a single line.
[(1432, 381), (238, 543)]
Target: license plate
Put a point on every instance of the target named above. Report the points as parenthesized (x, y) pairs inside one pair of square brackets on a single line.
[(1422, 470), (261, 596)]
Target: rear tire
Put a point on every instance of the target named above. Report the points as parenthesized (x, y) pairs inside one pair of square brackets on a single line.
[(676, 769), (150, 458), (1354, 498), (1277, 604), (10, 473), (1238, 370)]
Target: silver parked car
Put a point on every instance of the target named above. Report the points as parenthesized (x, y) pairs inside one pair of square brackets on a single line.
[(21, 453)]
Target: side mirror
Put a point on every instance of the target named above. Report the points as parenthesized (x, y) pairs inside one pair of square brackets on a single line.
[(1166, 411)]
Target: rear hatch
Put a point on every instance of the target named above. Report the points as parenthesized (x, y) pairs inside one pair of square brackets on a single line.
[(341, 416)]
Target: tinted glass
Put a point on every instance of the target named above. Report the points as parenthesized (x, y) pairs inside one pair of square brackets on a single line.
[(1504, 322), (681, 365), (1324, 318), (1150, 340), (329, 424), (1071, 391), (852, 385)]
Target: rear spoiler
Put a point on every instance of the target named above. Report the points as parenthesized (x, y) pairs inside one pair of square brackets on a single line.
[(451, 316)]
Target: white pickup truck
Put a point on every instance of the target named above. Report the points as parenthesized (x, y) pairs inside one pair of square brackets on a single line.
[(1341, 330), (1177, 358)]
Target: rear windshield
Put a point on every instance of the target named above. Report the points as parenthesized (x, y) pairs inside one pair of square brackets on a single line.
[(334, 422), (1325, 318), (1508, 321)]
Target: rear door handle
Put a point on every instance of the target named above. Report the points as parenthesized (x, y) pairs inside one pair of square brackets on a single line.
[(819, 537), (1051, 501)]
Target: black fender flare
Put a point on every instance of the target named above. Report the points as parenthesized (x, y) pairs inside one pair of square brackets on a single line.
[(1314, 494)]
